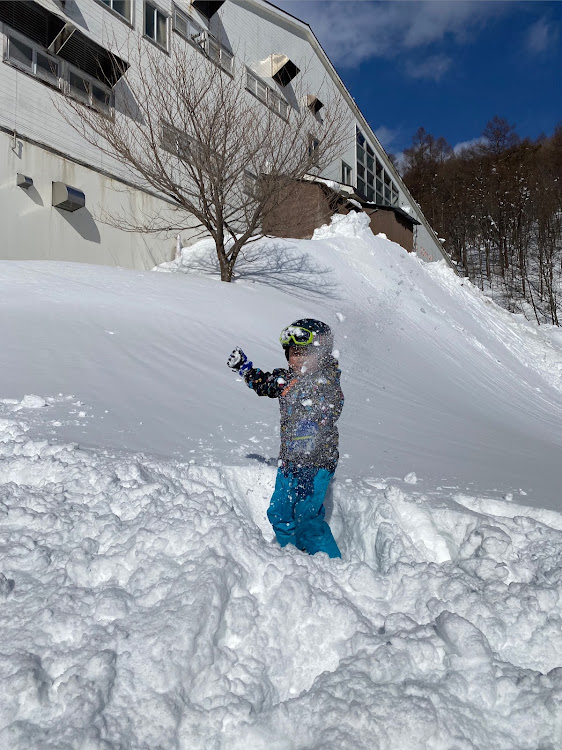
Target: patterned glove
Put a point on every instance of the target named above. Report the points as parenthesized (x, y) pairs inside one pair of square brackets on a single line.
[(239, 362)]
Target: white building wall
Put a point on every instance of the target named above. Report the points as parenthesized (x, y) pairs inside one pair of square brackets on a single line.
[(253, 30), (32, 229)]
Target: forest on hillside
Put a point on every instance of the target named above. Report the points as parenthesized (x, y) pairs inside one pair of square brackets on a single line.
[(498, 207)]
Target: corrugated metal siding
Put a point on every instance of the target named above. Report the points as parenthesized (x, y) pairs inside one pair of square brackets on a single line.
[(251, 30)]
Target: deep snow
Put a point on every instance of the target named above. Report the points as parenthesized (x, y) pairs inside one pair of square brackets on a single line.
[(144, 602)]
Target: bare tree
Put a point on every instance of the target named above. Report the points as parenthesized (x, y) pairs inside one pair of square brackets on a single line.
[(190, 130)]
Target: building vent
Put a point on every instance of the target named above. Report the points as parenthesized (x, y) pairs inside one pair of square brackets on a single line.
[(72, 45), (283, 70), (67, 198), (31, 19), (314, 103), (207, 8), (24, 182)]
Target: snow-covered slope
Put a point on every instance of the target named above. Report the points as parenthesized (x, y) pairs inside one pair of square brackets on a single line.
[(144, 603)]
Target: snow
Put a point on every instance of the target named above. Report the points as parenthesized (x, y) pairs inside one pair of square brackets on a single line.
[(144, 603)]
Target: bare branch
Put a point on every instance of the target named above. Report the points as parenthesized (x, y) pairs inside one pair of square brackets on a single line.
[(190, 131)]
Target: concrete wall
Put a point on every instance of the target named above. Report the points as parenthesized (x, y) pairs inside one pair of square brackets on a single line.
[(32, 229)]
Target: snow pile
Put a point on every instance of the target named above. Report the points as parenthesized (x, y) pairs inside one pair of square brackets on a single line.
[(144, 603), (351, 226)]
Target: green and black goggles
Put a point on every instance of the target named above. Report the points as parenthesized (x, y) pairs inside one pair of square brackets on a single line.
[(296, 335)]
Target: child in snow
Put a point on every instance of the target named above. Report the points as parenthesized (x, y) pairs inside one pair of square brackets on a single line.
[(310, 400)]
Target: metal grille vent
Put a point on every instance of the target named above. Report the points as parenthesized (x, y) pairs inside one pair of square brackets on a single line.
[(31, 19)]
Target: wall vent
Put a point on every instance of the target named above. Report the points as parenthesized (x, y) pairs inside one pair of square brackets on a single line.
[(314, 103), (283, 70), (207, 8), (67, 198), (24, 181)]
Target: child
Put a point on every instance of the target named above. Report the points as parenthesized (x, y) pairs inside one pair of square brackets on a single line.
[(310, 400)]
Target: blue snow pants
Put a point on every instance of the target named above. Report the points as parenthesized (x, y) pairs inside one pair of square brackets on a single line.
[(296, 510)]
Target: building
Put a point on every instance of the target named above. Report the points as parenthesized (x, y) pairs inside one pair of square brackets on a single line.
[(56, 188)]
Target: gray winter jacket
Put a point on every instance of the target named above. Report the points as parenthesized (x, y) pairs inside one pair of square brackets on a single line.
[(310, 405)]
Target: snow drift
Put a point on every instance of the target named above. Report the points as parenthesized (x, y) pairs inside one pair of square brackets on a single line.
[(144, 602)]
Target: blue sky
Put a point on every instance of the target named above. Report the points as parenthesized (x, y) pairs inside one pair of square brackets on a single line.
[(446, 65)]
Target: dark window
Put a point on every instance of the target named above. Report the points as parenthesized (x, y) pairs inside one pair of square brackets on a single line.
[(31, 59), (20, 53), (156, 25), (346, 173), (313, 148), (121, 7)]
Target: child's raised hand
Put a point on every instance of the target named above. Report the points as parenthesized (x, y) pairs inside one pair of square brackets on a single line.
[(239, 361)]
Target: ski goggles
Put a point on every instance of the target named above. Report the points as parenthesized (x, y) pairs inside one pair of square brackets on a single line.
[(296, 335)]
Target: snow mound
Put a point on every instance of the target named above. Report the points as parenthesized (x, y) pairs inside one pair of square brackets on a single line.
[(352, 225), (145, 605)]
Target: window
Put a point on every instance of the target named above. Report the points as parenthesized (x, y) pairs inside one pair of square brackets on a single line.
[(121, 7), (88, 90), (215, 51), (313, 149), (185, 25), (250, 183), (267, 95), (30, 58), (156, 25), (373, 180), (174, 141), (184, 146), (203, 40), (346, 173)]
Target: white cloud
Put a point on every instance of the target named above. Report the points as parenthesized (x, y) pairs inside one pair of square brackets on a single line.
[(541, 36), (431, 68), (386, 136), (468, 144), (353, 31)]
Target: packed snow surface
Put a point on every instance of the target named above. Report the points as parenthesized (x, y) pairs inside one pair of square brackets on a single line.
[(143, 601)]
